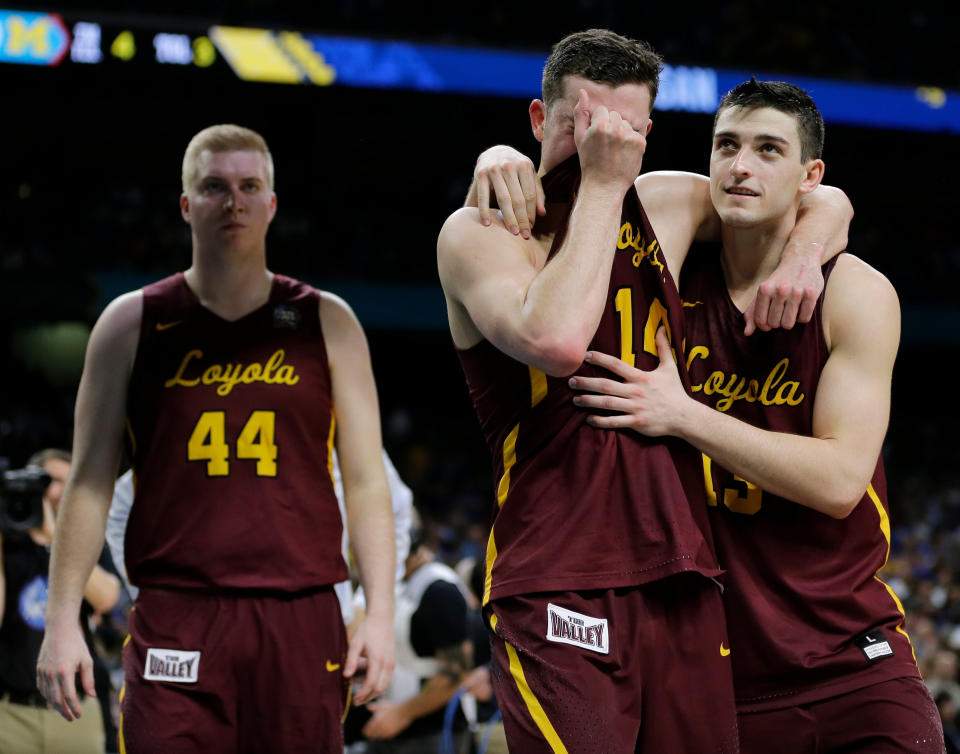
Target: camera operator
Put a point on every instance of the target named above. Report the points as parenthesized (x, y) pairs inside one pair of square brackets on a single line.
[(27, 724)]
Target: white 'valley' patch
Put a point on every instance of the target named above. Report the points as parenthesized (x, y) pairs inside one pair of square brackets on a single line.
[(567, 627), (177, 665)]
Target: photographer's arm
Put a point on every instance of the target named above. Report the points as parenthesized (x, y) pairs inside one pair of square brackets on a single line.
[(98, 437), (102, 590)]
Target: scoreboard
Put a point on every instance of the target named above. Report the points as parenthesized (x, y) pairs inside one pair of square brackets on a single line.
[(296, 57)]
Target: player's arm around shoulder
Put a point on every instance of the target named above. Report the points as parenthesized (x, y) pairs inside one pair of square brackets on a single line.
[(365, 490), (680, 210), (861, 316), (486, 273)]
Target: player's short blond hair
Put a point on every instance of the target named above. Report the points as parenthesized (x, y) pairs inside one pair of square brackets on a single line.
[(225, 137)]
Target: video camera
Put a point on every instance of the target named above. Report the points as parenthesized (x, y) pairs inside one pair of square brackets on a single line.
[(21, 497)]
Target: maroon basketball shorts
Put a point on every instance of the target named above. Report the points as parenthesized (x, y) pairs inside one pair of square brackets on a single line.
[(215, 674), (890, 717), (615, 671)]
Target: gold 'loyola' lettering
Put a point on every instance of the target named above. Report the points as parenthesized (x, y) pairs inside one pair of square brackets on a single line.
[(732, 388), (627, 240), (226, 376)]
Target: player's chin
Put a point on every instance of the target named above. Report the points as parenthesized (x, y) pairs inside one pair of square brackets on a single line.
[(737, 216)]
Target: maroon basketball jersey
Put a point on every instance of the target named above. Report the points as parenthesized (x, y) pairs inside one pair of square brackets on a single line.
[(231, 431), (577, 507), (807, 614)]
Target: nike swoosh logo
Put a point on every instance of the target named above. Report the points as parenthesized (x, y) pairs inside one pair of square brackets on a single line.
[(161, 326), (331, 666), (723, 650)]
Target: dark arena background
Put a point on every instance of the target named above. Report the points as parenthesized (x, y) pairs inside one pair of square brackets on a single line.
[(375, 124)]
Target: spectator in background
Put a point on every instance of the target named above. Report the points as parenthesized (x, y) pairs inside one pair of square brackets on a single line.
[(27, 724), (948, 718), (942, 678), (433, 654)]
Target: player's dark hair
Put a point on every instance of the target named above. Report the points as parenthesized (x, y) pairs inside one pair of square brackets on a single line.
[(603, 56), (786, 98)]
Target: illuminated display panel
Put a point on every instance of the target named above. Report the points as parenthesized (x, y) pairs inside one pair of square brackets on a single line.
[(292, 57)]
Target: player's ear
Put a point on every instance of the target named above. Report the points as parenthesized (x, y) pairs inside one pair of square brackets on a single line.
[(813, 175), (649, 126), (185, 207), (273, 205), (538, 115)]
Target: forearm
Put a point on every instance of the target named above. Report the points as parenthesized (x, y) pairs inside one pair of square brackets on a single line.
[(370, 523), (565, 301), (819, 475), (823, 218), (434, 695), (78, 542)]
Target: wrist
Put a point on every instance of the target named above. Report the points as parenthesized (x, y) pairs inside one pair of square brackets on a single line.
[(691, 419), (603, 189), (809, 251)]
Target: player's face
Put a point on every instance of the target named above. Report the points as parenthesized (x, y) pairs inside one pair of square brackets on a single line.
[(58, 471), (756, 175), (230, 202), (554, 125)]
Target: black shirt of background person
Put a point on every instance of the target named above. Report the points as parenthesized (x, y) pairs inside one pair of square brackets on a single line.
[(25, 568)]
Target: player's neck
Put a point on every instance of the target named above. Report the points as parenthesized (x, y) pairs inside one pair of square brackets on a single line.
[(230, 291), (749, 256)]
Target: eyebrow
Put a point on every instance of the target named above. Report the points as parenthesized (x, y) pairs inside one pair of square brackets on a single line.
[(217, 177), (758, 137)]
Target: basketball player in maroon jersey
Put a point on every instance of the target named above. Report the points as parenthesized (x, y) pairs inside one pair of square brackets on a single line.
[(820, 657), (224, 380), (596, 562)]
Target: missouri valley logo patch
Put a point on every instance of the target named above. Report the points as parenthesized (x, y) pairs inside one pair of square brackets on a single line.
[(177, 665), (874, 645), (567, 627)]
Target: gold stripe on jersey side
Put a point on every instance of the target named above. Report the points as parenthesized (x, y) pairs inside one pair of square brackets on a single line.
[(538, 386), (488, 578), (121, 744), (885, 529), (509, 459), (538, 391), (529, 698), (346, 703), (333, 426)]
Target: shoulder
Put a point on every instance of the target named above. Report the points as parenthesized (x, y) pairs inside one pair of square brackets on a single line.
[(853, 278), (344, 338), (859, 299), (337, 319), (663, 185), (120, 320), (463, 236)]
